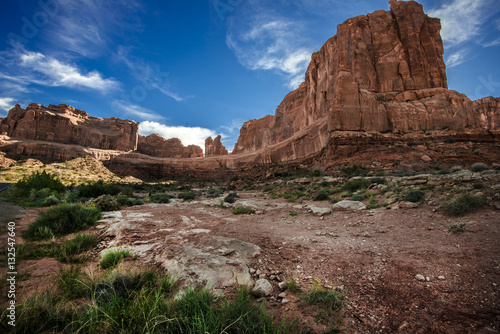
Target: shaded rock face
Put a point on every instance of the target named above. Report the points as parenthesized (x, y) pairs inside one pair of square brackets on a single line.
[(382, 72), (67, 125), (156, 146), (214, 147), (488, 111)]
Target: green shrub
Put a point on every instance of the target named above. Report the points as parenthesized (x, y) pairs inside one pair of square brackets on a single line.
[(71, 282), (457, 228), (231, 198), (61, 220), (478, 186), (326, 298), (455, 169), (357, 198), (99, 188), (414, 196), (160, 198), (187, 196), (378, 180), (322, 196), (81, 243), (463, 205), (125, 201), (39, 181), (355, 185), (478, 167), (443, 172), (243, 210), (354, 170), (107, 203), (111, 258)]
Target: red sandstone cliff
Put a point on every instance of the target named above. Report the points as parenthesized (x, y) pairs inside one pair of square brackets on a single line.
[(67, 125), (382, 72), (214, 147), (488, 111), (156, 146)]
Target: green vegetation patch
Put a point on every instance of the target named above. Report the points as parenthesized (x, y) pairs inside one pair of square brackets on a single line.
[(463, 205), (61, 220), (111, 258), (243, 210)]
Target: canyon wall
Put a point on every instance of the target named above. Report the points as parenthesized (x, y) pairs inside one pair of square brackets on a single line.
[(67, 125), (381, 72), (214, 147)]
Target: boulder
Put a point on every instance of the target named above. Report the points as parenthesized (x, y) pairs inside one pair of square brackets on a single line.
[(349, 206)]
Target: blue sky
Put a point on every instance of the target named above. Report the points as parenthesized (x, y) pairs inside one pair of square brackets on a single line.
[(192, 69)]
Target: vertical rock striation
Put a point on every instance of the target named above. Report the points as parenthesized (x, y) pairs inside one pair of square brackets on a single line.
[(214, 147)]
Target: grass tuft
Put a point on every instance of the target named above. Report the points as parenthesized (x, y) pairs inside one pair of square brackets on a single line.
[(463, 205), (111, 258), (243, 210)]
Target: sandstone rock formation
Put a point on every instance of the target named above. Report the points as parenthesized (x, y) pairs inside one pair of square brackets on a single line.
[(214, 147), (156, 146), (488, 111), (382, 72), (67, 125)]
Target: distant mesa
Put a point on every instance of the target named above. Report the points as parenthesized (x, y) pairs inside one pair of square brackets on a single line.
[(381, 79)]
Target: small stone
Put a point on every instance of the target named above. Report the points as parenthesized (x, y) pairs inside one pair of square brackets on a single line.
[(428, 279), (282, 295), (262, 288), (426, 158), (420, 278), (252, 271), (441, 278), (262, 276), (283, 285), (285, 301)]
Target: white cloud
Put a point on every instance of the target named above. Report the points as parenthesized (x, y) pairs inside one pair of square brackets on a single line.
[(56, 74), (187, 135), (456, 58), (6, 103), (135, 110), (462, 19), (271, 44)]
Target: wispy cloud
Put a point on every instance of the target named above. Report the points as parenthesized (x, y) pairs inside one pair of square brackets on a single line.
[(456, 58), (86, 27), (230, 133), (47, 71), (271, 43), (462, 20), (187, 135), (136, 111), (6, 103), (150, 75)]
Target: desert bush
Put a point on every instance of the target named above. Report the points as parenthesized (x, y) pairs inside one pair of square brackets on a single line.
[(322, 196), (455, 169), (478, 186), (355, 185), (39, 181), (463, 205), (354, 170), (187, 196), (125, 201), (378, 180), (231, 198), (68, 251), (243, 210), (61, 220), (443, 172), (160, 198), (107, 203), (415, 196), (457, 228), (357, 198), (99, 188), (478, 167), (111, 258)]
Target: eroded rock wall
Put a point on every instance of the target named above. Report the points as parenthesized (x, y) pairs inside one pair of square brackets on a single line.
[(67, 125), (156, 146)]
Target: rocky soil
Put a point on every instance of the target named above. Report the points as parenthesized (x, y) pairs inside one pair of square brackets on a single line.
[(408, 270)]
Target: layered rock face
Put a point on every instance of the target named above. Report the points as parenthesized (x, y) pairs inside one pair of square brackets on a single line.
[(382, 72), (214, 147), (67, 125), (488, 111), (156, 146)]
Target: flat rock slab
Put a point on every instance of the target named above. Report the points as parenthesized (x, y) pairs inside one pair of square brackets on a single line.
[(182, 245), (349, 206)]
